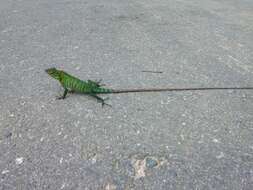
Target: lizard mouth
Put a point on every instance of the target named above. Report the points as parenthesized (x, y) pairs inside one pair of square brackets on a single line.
[(50, 70)]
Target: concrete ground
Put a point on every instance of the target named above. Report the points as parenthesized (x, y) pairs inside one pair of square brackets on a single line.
[(151, 141)]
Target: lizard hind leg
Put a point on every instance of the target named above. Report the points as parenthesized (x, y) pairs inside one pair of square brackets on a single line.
[(96, 83), (99, 82), (102, 100)]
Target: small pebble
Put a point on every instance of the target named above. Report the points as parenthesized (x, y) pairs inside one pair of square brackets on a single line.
[(94, 160), (62, 186), (5, 172), (19, 160), (221, 155), (151, 162), (110, 186)]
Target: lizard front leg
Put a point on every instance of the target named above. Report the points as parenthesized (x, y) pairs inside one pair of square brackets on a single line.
[(64, 94)]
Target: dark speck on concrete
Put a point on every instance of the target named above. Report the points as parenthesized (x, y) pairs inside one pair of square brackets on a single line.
[(8, 134)]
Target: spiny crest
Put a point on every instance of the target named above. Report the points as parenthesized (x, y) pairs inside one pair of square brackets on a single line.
[(53, 72)]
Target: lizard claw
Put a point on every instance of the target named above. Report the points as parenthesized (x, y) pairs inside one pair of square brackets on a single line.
[(103, 102), (59, 98)]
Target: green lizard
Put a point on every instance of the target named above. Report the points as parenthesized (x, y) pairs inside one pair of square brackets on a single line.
[(92, 88), (73, 84)]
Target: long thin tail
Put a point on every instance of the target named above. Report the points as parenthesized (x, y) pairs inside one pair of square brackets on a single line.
[(176, 89)]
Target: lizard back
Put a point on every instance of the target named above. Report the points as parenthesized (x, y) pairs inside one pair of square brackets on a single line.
[(72, 83)]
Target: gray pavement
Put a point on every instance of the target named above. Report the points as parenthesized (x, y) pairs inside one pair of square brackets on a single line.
[(151, 141)]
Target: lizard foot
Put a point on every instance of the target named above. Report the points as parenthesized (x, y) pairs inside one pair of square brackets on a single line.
[(59, 98), (103, 102)]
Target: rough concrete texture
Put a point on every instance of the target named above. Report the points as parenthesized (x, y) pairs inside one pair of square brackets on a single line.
[(152, 141)]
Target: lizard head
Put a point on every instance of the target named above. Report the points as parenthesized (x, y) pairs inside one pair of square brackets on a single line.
[(53, 72)]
